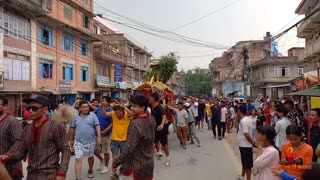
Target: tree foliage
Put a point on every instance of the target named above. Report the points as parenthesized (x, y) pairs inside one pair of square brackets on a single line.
[(198, 82), (166, 67)]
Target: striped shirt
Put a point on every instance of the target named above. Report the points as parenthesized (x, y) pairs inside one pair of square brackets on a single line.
[(44, 150), (137, 158), (10, 138)]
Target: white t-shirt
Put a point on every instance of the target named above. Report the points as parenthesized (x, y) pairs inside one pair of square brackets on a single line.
[(224, 111), (194, 110), (254, 122), (280, 128), (245, 126), (233, 114), (181, 117)]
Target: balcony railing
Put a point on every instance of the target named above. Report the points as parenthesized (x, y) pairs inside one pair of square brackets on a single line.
[(311, 50), (116, 56), (308, 25)]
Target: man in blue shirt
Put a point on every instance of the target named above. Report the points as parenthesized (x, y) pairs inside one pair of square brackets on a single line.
[(106, 126), (250, 107)]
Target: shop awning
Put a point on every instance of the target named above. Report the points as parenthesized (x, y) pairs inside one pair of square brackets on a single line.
[(276, 86), (309, 92)]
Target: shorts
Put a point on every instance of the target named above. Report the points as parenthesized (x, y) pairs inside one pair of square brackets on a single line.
[(104, 147), (84, 150), (117, 147), (162, 136), (246, 157), (201, 117)]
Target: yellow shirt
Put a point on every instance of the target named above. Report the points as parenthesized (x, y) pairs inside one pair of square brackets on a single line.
[(120, 127), (208, 109)]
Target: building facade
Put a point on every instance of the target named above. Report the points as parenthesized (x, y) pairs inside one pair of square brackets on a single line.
[(228, 70), (120, 61), (47, 49), (310, 31), (177, 83), (273, 76)]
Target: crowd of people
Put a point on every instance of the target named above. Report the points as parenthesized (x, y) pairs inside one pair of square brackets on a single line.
[(285, 137)]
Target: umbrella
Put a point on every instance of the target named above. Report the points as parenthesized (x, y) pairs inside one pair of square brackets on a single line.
[(309, 92)]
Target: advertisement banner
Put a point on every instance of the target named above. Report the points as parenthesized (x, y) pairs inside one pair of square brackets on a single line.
[(118, 70)]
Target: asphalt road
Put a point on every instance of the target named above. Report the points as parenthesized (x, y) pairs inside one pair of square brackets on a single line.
[(213, 160)]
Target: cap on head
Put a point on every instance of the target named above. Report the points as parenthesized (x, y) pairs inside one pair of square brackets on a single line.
[(39, 99), (187, 104)]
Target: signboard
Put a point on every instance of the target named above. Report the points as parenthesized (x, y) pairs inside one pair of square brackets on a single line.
[(121, 85), (103, 81), (118, 70), (65, 87), (315, 102)]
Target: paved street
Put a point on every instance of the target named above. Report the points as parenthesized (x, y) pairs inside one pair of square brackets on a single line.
[(213, 160)]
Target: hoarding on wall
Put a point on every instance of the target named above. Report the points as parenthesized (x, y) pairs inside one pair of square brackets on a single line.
[(231, 87), (315, 102), (103, 81), (118, 70), (65, 87)]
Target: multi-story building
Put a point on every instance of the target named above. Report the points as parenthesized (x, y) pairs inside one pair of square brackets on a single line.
[(310, 31), (120, 60), (177, 83), (47, 49), (273, 76)]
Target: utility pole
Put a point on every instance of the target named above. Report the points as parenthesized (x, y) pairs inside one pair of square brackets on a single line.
[(245, 69)]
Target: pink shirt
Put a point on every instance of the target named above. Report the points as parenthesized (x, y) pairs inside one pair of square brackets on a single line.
[(268, 158)]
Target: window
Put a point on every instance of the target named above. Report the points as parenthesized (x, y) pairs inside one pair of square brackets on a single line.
[(16, 27), (136, 76), (84, 47), (49, 4), (16, 69), (85, 21), (84, 73), (67, 70), (45, 34), (100, 70), (129, 75), (95, 30), (281, 71), (67, 42), (103, 32), (45, 68), (300, 70), (67, 12)]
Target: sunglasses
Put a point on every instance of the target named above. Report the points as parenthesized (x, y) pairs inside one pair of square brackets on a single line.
[(34, 108)]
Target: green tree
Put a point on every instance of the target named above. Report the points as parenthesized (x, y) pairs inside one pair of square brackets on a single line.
[(166, 67), (198, 82)]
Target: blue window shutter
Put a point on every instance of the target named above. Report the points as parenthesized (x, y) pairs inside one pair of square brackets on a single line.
[(71, 73), (81, 74), (64, 42), (71, 43), (41, 34), (67, 74), (81, 47), (50, 37), (87, 49), (50, 70), (87, 75), (40, 70)]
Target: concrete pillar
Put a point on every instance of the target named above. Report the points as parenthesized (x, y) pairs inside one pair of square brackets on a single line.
[(33, 58)]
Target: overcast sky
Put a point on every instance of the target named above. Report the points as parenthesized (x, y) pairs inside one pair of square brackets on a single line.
[(244, 20)]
